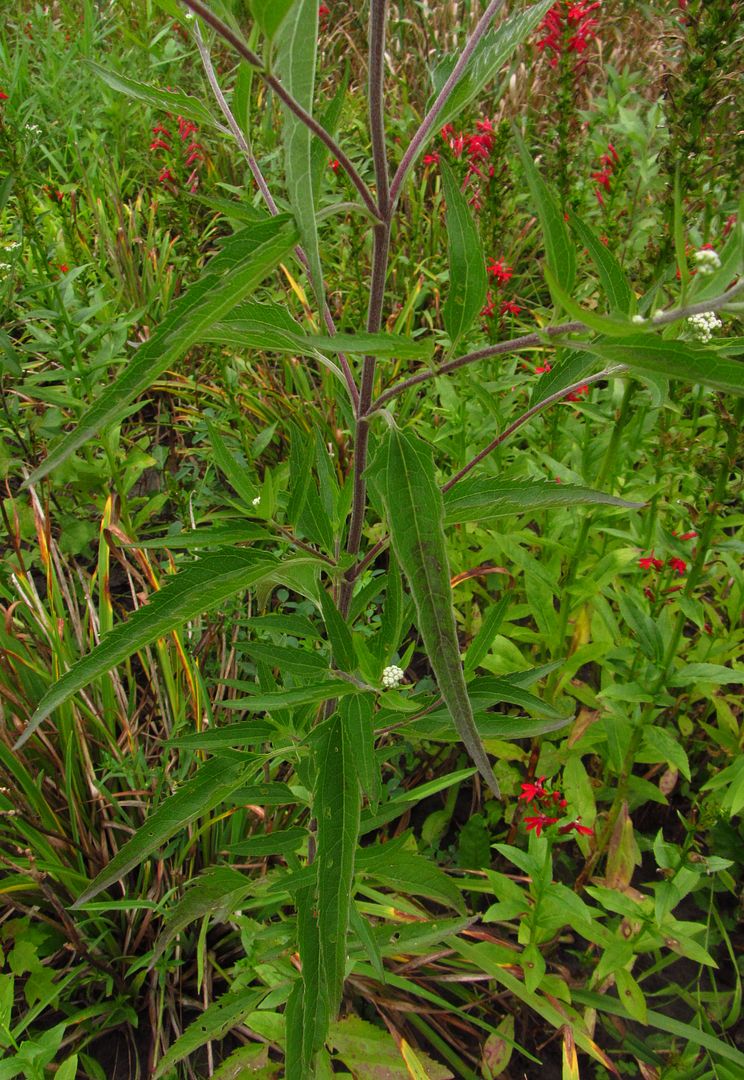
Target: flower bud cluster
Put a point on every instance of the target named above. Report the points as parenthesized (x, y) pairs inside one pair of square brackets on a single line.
[(703, 325), (392, 676), (707, 261)]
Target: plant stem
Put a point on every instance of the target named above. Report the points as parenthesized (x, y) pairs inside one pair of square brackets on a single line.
[(417, 142), (254, 60)]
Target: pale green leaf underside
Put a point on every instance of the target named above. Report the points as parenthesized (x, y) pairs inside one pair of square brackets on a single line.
[(242, 264), (200, 586), (485, 499), (673, 359), (403, 475)]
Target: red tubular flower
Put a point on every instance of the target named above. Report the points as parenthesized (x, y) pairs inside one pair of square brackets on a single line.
[(3, 96), (431, 159), (497, 270), (542, 369), (578, 394), (533, 789), (513, 309), (538, 823), (63, 267), (159, 144), (160, 130), (323, 12), (649, 561), (334, 164), (489, 307), (688, 536), (583, 830), (678, 564), (166, 174)]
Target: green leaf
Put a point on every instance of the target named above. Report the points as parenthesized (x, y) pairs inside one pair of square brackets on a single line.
[(289, 699), (411, 874), (489, 56), (481, 643), (371, 1052), (295, 66), (209, 536), (210, 787), (200, 586), (241, 734), (279, 842), (314, 1014), (243, 263), (467, 269), (218, 891), (614, 282), (336, 808), (603, 324), (213, 1024), (560, 256), (270, 14), (631, 995), (357, 715), (297, 661), (673, 359), (403, 475), (570, 368), (339, 634), (167, 100), (235, 473), (485, 499)]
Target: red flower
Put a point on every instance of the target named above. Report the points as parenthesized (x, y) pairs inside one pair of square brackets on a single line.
[(497, 270), (649, 561), (160, 130), (688, 536), (533, 789), (63, 267), (166, 174), (3, 96), (584, 830), (576, 395), (159, 144), (678, 564), (186, 128), (538, 822), (542, 369), (513, 309), (431, 159), (334, 164), (602, 178), (489, 307), (323, 12)]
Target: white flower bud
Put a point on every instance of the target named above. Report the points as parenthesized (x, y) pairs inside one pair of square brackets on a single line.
[(392, 676)]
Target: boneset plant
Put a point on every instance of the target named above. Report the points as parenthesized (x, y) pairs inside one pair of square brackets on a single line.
[(322, 540)]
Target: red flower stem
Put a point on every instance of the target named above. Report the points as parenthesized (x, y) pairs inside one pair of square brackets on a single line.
[(283, 94), (417, 142)]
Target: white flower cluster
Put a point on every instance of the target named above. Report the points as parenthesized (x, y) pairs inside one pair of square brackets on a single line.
[(392, 676), (703, 325), (707, 260)]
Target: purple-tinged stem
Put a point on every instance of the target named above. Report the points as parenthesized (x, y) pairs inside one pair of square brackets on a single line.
[(416, 144), (283, 94)]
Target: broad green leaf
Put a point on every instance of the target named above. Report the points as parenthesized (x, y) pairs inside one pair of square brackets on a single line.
[(481, 643), (289, 699), (330, 119), (270, 14), (467, 269), (200, 586), (235, 473), (218, 891), (295, 66), (631, 995), (208, 536), (491, 54), (673, 359), (560, 256), (357, 715), (336, 808), (485, 499), (167, 100), (295, 625), (403, 476), (241, 734), (314, 1012), (412, 874), (274, 843), (371, 1052), (602, 324), (490, 726), (297, 661), (614, 282), (210, 787), (212, 1025), (339, 634), (690, 674), (249, 256)]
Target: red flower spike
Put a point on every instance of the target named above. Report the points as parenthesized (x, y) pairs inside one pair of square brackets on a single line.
[(497, 270), (678, 564)]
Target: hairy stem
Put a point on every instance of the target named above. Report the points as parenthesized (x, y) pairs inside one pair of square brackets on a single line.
[(271, 81)]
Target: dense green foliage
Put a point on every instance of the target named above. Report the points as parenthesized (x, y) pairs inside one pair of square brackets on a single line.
[(370, 651)]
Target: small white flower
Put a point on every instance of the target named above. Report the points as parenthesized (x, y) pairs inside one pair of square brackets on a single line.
[(658, 313), (257, 500), (703, 325), (392, 676), (638, 319), (707, 261), (33, 128), (4, 266)]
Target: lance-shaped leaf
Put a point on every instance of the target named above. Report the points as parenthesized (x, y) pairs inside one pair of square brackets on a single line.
[(614, 282), (295, 66), (673, 359), (402, 474), (270, 14), (484, 499), (217, 892), (167, 100), (336, 808), (467, 270), (490, 55), (560, 255), (201, 586), (211, 786), (241, 265)]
